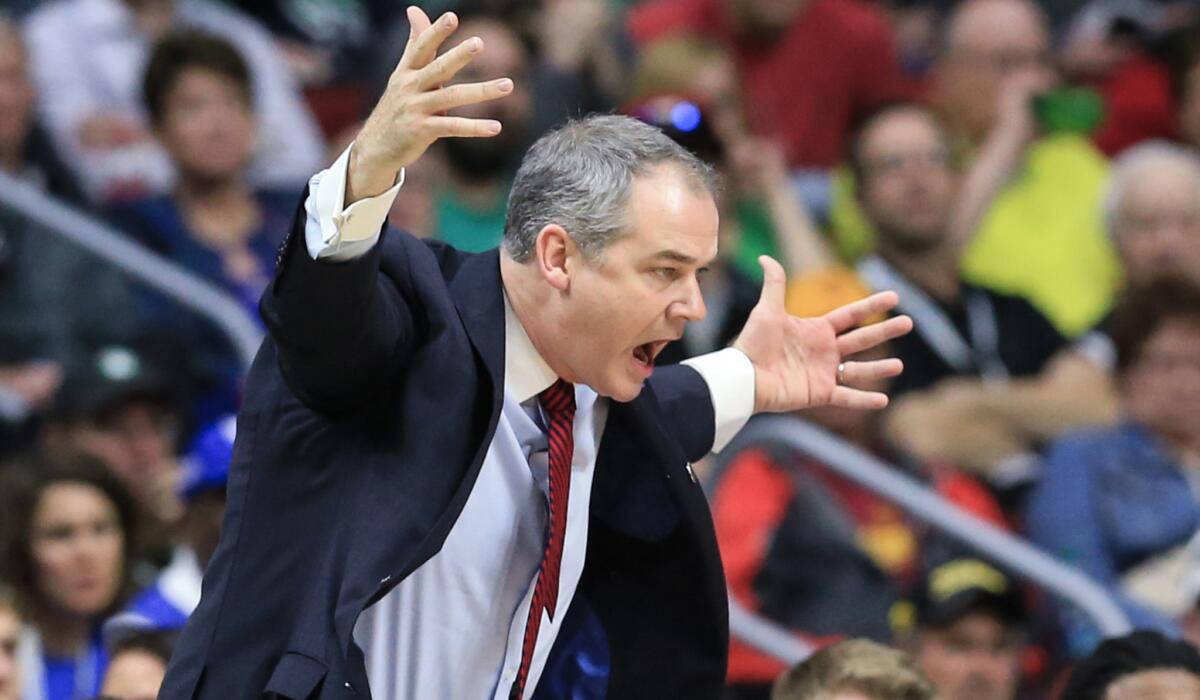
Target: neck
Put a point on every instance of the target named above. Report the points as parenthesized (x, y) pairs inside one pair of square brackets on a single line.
[(211, 193), (64, 634), (531, 302), (934, 270), (475, 194)]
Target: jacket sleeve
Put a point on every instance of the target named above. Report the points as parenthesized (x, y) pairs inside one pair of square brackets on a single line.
[(706, 400), (341, 327)]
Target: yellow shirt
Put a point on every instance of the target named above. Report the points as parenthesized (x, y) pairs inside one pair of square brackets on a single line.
[(1043, 238)]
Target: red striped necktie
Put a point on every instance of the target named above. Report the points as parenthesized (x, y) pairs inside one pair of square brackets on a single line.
[(558, 403)]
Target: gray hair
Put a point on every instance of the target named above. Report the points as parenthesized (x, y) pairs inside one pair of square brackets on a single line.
[(1135, 161), (579, 176)]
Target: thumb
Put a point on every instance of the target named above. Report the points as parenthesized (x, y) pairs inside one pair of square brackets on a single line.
[(774, 287)]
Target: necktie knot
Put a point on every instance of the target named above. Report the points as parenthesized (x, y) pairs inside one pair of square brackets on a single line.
[(558, 398)]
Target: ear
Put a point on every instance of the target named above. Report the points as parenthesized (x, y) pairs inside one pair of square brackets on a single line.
[(552, 254)]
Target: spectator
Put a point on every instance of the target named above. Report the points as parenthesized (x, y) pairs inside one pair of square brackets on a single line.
[(137, 668), (1153, 212), (198, 96), (1153, 219), (964, 628), (469, 209), (1142, 665), (907, 187), (817, 552), (10, 636), (44, 320), (678, 79), (120, 409), (166, 605), (995, 59), (856, 669), (998, 52), (807, 68), (1118, 502), (68, 541), (87, 58)]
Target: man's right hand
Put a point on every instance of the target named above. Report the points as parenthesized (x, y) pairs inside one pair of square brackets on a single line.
[(410, 115)]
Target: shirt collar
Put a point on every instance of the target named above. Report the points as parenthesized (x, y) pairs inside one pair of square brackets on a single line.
[(526, 374)]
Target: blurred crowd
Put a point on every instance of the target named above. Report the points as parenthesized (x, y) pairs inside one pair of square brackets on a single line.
[(1024, 174)]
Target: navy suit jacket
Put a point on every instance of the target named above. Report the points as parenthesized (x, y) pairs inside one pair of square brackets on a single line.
[(368, 412)]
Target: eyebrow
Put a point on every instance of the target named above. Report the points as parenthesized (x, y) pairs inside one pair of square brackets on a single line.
[(674, 256)]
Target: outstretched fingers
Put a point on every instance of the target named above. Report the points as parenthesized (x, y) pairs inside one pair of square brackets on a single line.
[(425, 39), (848, 397), (452, 96), (854, 314), (873, 335)]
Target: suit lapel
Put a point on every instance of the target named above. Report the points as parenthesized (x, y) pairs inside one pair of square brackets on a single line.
[(479, 297)]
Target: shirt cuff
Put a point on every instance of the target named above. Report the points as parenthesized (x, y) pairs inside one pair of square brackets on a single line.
[(730, 378), (334, 231)]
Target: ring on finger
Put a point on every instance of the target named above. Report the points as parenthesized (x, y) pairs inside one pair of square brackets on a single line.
[(841, 373)]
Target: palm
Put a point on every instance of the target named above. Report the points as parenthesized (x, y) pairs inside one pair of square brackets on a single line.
[(796, 359)]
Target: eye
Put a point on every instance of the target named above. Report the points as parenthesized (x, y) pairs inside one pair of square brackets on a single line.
[(667, 273)]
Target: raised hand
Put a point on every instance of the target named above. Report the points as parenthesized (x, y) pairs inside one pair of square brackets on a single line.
[(410, 115), (796, 360)]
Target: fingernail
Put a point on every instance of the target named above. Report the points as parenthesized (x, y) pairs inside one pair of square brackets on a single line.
[(505, 85), (494, 127), (475, 45), (448, 20)]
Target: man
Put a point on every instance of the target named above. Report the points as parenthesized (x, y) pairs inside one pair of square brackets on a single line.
[(469, 208), (1153, 219), (391, 449), (855, 669), (1045, 217), (907, 188), (967, 635), (808, 68)]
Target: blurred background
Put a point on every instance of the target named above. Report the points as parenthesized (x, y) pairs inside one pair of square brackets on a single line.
[(1024, 173)]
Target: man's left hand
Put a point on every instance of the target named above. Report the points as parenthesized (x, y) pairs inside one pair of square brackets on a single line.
[(796, 359)]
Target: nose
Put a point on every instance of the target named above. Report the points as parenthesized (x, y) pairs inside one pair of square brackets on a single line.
[(691, 307)]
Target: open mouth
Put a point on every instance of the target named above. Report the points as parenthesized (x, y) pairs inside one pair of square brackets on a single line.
[(645, 353)]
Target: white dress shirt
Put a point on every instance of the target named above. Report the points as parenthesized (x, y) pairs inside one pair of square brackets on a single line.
[(88, 56), (454, 628)]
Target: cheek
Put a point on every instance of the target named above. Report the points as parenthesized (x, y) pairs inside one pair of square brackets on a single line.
[(52, 562)]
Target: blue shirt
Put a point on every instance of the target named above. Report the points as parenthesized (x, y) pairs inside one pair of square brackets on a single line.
[(1109, 500)]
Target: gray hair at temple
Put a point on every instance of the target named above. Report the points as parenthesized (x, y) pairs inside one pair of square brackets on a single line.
[(579, 177), (1135, 162)]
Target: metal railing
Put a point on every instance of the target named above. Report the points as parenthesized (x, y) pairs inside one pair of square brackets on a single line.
[(1014, 553), (135, 260)]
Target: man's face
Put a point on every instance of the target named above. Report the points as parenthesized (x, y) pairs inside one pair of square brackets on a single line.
[(503, 56), (908, 183), (988, 43), (624, 307), (1162, 387), (10, 632), (973, 659), (1157, 225), (207, 125)]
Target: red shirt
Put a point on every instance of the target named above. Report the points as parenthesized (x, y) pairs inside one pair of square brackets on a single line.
[(806, 90)]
